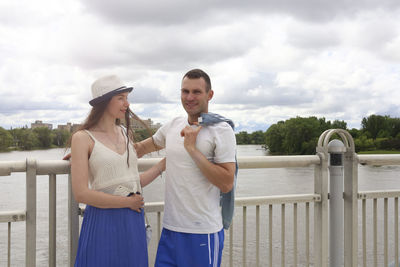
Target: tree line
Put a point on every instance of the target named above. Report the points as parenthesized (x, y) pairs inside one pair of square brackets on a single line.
[(295, 136), (28, 139), (42, 138), (299, 136)]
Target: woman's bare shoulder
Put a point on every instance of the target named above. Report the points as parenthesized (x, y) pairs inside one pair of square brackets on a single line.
[(81, 136)]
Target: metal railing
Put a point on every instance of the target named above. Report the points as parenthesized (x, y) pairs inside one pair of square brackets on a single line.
[(316, 254)]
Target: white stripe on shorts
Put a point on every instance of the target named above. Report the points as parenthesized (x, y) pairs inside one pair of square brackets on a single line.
[(209, 249), (216, 249)]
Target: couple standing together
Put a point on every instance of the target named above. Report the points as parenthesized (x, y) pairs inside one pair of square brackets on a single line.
[(200, 168)]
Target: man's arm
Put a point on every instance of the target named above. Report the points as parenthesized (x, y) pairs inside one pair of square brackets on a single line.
[(146, 146), (219, 174)]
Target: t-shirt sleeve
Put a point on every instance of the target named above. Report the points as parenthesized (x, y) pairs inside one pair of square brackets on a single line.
[(225, 144), (159, 136)]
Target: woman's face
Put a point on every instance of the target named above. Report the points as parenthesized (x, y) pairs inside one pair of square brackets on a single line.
[(118, 105)]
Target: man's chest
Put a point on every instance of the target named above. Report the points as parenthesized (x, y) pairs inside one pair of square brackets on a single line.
[(205, 143)]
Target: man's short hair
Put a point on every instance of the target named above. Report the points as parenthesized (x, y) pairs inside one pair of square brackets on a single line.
[(197, 74)]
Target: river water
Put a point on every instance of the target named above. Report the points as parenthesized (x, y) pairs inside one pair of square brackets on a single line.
[(251, 182)]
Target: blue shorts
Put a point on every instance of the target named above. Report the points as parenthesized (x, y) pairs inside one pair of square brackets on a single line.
[(177, 249)]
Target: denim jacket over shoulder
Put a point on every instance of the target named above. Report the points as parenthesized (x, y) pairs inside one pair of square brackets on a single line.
[(227, 201)]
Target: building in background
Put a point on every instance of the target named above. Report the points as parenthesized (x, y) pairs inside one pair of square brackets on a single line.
[(38, 124), (67, 127), (137, 125), (75, 127)]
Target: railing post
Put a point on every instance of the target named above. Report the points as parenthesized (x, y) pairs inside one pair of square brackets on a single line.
[(9, 245), (30, 234), (350, 195), (321, 212), (73, 224), (52, 220), (336, 149), (350, 208)]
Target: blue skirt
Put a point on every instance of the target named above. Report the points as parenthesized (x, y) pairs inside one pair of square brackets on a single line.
[(112, 238)]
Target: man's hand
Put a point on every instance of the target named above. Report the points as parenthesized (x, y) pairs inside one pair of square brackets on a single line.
[(190, 135)]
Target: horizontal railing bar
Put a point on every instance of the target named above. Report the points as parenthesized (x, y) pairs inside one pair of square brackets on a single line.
[(278, 199), (45, 167), (154, 207), (378, 194), (255, 162), (12, 216), (252, 201), (277, 161), (8, 167), (247, 201), (148, 207), (387, 159)]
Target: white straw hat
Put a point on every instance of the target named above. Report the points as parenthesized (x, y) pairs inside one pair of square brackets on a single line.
[(106, 87)]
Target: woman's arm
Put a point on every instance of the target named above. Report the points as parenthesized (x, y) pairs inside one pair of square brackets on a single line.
[(148, 176), (80, 149)]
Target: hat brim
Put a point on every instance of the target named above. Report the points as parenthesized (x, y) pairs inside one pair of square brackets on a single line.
[(110, 94)]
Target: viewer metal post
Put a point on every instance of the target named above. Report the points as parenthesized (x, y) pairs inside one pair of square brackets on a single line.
[(336, 149)]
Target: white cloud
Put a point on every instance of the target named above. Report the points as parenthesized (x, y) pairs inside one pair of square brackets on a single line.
[(268, 60)]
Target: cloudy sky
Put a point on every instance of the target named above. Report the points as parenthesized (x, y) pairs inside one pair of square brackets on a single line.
[(268, 60)]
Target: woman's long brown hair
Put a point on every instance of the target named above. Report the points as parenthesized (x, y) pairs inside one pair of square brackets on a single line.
[(95, 115)]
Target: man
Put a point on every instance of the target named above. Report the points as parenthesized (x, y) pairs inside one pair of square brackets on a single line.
[(200, 165)]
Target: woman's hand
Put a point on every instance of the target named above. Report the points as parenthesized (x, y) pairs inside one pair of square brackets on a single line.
[(136, 202), (67, 157)]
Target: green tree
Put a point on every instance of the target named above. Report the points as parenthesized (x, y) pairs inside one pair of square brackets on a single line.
[(339, 125), (274, 138), (242, 138), (373, 124), (6, 139), (45, 136), (60, 137), (309, 147), (299, 130), (25, 138), (298, 135), (363, 143), (257, 137), (393, 126), (355, 133)]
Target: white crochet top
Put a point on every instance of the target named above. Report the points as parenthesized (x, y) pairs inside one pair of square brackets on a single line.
[(109, 171)]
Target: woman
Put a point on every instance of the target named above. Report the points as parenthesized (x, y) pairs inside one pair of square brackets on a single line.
[(103, 156)]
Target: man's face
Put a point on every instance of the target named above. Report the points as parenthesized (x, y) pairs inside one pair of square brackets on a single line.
[(194, 96)]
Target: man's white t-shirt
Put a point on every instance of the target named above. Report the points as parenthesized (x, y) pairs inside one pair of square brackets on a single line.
[(191, 201)]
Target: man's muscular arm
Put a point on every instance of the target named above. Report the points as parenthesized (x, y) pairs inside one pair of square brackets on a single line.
[(146, 146), (219, 174)]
